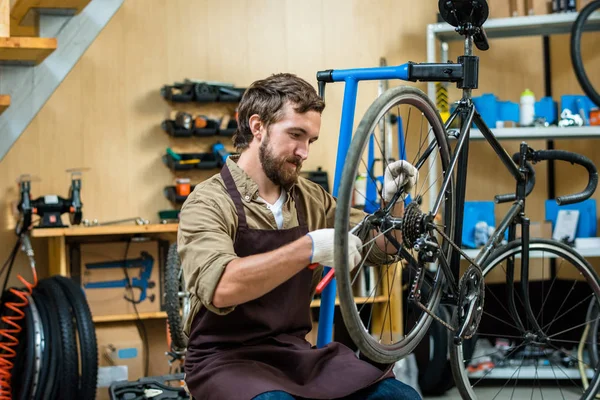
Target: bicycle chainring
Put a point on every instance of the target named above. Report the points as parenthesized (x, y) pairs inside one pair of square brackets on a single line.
[(471, 294)]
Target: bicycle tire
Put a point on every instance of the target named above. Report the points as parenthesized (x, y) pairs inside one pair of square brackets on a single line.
[(592, 339), (68, 377), (86, 335), (51, 341), (173, 286), (368, 345), (37, 344), (576, 60), (432, 356), (553, 247)]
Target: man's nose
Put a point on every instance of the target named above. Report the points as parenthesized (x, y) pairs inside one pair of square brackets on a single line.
[(302, 152)]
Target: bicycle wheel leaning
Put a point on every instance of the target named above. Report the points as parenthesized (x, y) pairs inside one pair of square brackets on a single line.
[(579, 26), (176, 299), (424, 145), (522, 360)]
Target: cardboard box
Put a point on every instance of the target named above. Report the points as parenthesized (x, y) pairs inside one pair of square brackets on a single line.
[(102, 265), (120, 355)]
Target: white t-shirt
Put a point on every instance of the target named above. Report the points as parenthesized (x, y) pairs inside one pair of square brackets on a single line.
[(277, 207)]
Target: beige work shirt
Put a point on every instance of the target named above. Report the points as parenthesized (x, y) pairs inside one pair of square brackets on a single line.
[(208, 223)]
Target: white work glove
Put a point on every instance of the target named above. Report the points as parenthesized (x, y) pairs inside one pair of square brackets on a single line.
[(399, 174), (322, 248)]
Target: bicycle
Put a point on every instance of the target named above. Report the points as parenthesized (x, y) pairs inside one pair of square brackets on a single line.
[(430, 254)]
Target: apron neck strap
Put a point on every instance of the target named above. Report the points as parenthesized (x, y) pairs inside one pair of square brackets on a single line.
[(235, 195)]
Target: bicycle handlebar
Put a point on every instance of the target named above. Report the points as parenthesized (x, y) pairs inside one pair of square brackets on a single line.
[(503, 198), (573, 158), (558, 155)]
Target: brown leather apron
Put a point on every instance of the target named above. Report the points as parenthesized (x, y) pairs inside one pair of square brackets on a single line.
[(260, 346)]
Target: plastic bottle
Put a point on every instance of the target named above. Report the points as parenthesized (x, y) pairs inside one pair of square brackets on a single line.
[(360, 190), (527, 111)]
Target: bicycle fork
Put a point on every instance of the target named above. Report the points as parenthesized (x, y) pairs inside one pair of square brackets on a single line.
[(521, 192)]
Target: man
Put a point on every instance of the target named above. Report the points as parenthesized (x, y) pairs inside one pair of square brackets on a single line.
[(246, 237)]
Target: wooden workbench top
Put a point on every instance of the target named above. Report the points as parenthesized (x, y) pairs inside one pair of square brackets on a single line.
[(122, 229)]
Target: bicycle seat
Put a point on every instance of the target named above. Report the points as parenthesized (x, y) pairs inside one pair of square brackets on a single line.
[(468, 16), (461, 12)]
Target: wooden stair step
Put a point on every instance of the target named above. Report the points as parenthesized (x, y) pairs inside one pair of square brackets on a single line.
[(24, 18), (4, 102), (25, 50)]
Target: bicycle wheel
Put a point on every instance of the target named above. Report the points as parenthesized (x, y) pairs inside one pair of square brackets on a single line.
[(383, 328), (579, 26), (523, 362), (177, 302), (592, 336)]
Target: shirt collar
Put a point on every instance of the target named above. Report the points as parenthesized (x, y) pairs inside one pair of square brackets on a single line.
[(246, 186)]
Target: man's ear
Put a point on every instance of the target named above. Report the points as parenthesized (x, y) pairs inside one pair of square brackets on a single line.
[(256, 126)]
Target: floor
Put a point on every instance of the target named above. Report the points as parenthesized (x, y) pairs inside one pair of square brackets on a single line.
[(490, 392)]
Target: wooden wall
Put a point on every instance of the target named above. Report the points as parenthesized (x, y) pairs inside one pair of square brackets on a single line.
[(106, 114)]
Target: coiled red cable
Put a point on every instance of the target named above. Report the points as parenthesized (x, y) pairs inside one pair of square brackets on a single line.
[(10, 331)]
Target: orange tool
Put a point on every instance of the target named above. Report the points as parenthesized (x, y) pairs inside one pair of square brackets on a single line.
[(325, 281)]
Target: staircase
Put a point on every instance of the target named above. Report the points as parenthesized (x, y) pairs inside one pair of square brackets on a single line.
[(40, 42)]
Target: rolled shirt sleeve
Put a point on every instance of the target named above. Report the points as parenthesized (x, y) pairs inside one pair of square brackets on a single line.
[(205, 245)]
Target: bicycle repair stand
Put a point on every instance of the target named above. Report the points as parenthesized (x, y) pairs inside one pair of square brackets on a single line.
[(468, 17), (143, 283)]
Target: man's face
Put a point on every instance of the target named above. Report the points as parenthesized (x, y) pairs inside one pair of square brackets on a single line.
[(285, 146)]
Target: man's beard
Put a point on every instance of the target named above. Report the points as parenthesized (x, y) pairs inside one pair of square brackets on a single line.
[(275, 168)]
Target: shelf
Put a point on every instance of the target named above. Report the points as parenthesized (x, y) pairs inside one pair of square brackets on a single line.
[(583, 132), (586, 247), (531, 372), (21, 8), (129, 317), (534, 25), (104, 230), (4, 102), (358, 300), (162, 314), (25, 50)]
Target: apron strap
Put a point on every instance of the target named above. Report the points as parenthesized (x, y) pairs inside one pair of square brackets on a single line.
[(299, 207), (235, 195)]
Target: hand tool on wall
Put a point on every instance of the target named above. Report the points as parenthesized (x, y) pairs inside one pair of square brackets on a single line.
[(143, 282), (95, 222), (220, 152)]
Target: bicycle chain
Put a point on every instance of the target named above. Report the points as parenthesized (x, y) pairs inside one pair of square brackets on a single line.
[(438, 319), (462, 253)]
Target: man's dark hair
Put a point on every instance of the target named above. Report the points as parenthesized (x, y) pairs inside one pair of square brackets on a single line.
[(266, 97)]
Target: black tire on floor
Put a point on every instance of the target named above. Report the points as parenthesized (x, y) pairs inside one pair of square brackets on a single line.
[(432, 356), (52, 343), (68, 377), (86, 334)]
